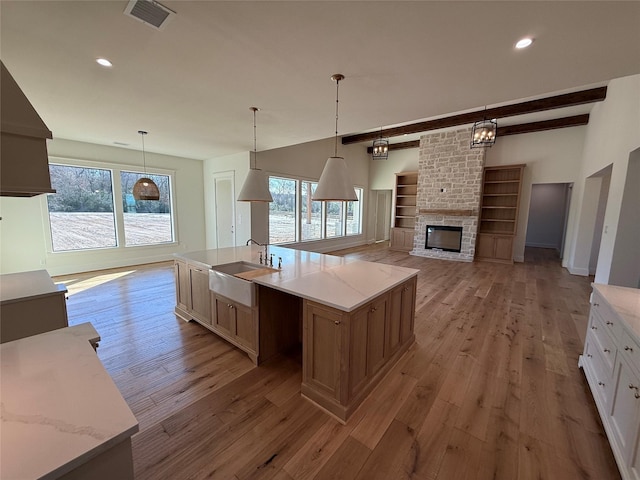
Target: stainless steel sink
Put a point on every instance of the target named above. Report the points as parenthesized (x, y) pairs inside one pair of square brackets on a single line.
[(223, 281)]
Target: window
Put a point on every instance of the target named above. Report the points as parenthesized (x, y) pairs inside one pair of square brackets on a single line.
[(146, 222), (354, 215), (282, 211), (335, 219), (311, 213), (83, 214), (295, 217)]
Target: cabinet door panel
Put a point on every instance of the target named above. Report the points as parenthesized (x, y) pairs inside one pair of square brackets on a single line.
[(376, 335), (395, 319), (408, 310), (223, 318), (625, 407), (322, 349), (358, 350), (503, 247), (200, 301), (245, 333), (484, 246), (183, 290)]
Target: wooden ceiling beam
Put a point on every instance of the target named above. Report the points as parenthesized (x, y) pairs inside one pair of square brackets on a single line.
[(553, 124), (532, 106)]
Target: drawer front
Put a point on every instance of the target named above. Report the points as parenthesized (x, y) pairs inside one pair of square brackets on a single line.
[(597, 372), (630, 349), (603, 342), (608, 317)]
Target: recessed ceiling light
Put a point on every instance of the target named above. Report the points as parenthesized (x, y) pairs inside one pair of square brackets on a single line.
[(104, 62), (524, 43)]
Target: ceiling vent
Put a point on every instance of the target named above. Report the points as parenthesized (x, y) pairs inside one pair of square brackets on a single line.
[(149, 12)]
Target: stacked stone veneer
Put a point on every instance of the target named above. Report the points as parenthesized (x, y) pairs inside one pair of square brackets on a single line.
[(449, 178)]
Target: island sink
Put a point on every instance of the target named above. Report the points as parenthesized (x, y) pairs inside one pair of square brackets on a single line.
[(233, 280)]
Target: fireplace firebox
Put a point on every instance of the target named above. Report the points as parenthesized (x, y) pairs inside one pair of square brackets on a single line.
[(445, 238)]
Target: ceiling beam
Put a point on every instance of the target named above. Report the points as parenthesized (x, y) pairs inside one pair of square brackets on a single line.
[(553, 124), (532, 106)]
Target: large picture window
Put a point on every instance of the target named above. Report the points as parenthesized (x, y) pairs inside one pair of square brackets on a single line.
[(83, 214), (295, 217), (146, 222), (282, 211)]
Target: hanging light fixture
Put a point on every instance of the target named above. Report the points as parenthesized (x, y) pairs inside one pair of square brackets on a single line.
[(145, 188), (484, 133), (380, 150), (335, 182), (256, 185)]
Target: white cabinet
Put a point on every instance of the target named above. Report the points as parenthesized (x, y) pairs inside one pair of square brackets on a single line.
[(611, 363)]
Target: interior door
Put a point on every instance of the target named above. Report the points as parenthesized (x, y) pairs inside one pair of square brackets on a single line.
[(225, 209), (383, 215)]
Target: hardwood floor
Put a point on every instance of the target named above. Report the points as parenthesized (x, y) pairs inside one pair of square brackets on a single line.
[(490, 390)]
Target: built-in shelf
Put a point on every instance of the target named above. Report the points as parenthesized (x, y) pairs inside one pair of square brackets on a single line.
[(404, 218), (499, 212)]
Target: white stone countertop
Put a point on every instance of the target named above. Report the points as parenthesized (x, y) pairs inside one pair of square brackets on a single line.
[(17, 286), (625, 301), (59, 406), (342, 283)]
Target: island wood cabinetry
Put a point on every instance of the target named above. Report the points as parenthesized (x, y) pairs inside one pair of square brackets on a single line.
[(611, 363), (194, 301), (30, 304), (498, 220), (404, 217), (345, 354)]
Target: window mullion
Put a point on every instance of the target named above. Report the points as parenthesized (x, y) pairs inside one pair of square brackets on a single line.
[(118, 209)]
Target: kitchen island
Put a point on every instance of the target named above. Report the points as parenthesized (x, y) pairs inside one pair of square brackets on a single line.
[(62, 415), (354, 318)]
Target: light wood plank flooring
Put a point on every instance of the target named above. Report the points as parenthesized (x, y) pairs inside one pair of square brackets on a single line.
[(490, 390)]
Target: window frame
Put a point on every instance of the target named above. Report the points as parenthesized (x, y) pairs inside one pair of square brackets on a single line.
[(323, 238), (118, 211)]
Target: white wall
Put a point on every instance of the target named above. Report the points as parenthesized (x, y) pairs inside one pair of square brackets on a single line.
[(545, 227), (24, 220), (612, 134), (625, 266), (550, 157), (238, 164)]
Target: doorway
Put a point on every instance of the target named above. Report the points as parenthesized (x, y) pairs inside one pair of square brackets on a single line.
[(548, 215), (225, 209), (382, 215)]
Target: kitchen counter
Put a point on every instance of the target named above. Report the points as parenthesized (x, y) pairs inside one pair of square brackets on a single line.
[(339, 282), (30, 303), (61, 412), (625, 301)]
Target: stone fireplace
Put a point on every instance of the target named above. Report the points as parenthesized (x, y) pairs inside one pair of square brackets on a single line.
[(449, 187)]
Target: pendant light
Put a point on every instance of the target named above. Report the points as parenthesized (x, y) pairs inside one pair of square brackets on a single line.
[(145, 188), (256, 185), (483, 133), (380, 148), (335, 182)]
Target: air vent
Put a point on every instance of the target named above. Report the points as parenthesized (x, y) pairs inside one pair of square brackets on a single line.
[(149, 12)]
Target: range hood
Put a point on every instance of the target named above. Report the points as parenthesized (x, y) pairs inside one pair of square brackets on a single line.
[(24, 163)]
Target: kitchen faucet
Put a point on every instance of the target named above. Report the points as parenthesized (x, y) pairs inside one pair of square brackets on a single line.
[(260, 245)]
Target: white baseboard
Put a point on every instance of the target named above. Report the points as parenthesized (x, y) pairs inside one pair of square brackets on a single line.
[(583, 272)]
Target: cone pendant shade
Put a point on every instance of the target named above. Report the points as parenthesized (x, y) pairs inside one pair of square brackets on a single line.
[(255, 188), (256, 185), (335, 182)]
